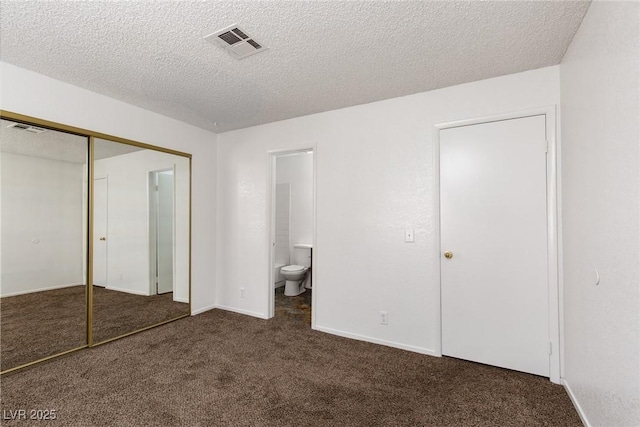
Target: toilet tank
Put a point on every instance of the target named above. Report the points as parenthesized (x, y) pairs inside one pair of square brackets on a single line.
[(302, 254)]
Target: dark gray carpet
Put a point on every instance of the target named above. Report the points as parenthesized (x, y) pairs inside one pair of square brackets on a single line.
[(41, 324), (222, 368), (117, 313)]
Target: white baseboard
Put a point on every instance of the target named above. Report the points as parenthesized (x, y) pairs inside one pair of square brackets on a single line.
[(127, 291), (184, 300), (48, 288), (203, 309), (576, 404), (358, 337), (241, 311)]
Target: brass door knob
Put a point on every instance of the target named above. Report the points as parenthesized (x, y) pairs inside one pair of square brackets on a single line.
[(103, 238), (448, 254)]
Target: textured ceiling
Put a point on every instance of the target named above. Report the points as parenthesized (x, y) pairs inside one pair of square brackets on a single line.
[(51, 144), (54, 145), (321, 55)]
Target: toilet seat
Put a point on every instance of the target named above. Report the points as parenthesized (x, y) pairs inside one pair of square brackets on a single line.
[(293, 268)]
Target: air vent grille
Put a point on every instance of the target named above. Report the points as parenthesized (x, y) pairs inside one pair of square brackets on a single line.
[(242, 35), (230, 38), (237, 42), (254, 44), (28, 128)]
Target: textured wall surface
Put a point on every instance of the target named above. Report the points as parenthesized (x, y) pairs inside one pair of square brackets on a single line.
[(42, 237), (322, 55), (601, 214), (36, 95), (282, 224), (128, 219), (375, 177)]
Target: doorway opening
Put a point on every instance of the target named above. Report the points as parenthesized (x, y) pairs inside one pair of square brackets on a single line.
[(292, 205), (161, 231)]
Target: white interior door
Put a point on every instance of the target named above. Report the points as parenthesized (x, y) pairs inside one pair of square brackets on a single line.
[(164, 240), (100, 206), (494, 223)]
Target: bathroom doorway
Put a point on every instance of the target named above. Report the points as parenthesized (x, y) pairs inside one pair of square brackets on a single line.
[(292, 229)]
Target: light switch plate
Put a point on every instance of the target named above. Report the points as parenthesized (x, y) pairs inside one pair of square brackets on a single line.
[(409, 236)]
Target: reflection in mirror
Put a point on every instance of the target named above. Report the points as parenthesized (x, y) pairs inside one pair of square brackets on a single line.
[(44, 211), (140, 238)]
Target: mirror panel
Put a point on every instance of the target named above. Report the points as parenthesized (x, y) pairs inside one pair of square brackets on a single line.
[(43, 243), (141, 242)]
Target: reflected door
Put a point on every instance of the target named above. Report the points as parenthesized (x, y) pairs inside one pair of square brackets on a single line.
[(100, 204)]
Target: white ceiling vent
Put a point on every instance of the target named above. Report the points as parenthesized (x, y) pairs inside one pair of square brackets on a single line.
[(236, 41), (28, 128)]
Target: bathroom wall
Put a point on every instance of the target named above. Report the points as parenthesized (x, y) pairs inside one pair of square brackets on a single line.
[(600, 75), (282, 223), (374, 178), (34, 94), (297, 170), (41, 224)]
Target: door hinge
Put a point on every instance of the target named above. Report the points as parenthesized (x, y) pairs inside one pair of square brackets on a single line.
[(156, 188), (546, 146), (550, 348)]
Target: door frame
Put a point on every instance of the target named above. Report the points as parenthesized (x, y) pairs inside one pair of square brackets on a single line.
[(271, 221), (106, 251), (553, 224), (152, 225)]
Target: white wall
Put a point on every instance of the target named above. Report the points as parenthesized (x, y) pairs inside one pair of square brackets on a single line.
[(37, 95), (41, 224), (297, 170), (128, 219), (375, 177), (601, 185), (282, 225)]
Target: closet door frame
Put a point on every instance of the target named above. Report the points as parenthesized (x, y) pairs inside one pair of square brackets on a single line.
[(554, 225)]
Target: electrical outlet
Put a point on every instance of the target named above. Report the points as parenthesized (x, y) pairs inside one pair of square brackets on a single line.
[(384, 318), (241, 292)]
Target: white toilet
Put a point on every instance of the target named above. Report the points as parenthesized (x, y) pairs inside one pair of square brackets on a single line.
[(295, 274)]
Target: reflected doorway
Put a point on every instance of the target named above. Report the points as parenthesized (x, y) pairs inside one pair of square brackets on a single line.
[(161, 230)]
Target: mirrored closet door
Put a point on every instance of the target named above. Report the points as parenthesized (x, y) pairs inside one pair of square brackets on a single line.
[(140, 238), (43, 296), (81, 207)]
